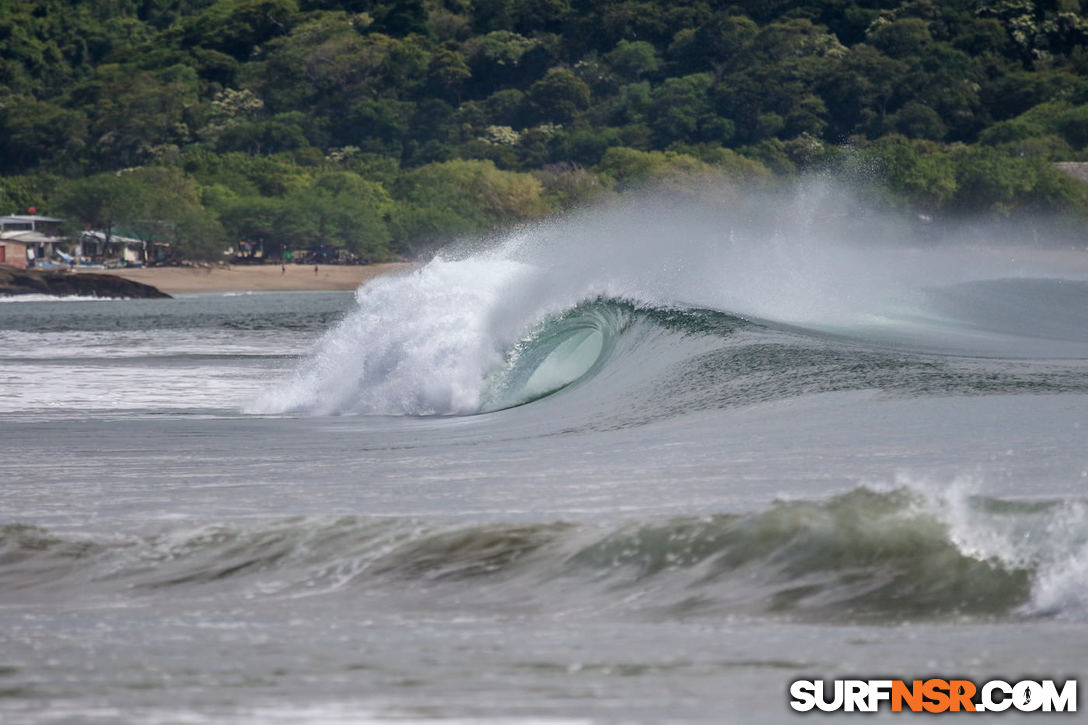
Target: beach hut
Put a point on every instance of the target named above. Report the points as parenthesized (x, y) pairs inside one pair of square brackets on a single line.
[(29, 240)]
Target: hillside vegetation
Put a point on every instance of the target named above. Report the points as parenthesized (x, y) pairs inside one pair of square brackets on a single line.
[(384, 127)]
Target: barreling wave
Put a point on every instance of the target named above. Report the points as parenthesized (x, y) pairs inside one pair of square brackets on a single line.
[(899, 553), (576, 345), (626, 291), (556, 354), (628, 362)]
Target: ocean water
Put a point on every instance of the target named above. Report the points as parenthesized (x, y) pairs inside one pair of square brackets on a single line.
[(650, 463)]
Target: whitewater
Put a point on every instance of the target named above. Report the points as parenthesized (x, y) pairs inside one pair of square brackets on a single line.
[(648, 462)]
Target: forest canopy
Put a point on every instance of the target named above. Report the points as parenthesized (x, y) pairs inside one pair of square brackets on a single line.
[(383, 127)]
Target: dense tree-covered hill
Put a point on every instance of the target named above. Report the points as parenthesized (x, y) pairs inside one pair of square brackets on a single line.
[(381, 126)]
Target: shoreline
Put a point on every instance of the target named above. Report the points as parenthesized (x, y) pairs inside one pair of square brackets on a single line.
[(258, 278)]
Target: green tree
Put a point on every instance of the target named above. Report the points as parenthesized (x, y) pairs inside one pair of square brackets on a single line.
[(992, 182), (135, 115), (167, 208), (859, 90), (630, 168), (34, 132), (631, 60), (721, 44), (456, 197), (317, 217), (255, 219), (680, 106), (499, 59), (569, 185), (559, 95), (258, 100), (900, 38), (914, 174), (237, 27), (152, 204), (918, 121), (19, 193), (1073, 125), (101, 201)]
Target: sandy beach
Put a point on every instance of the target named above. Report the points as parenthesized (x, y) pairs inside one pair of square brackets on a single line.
[(257, 278)]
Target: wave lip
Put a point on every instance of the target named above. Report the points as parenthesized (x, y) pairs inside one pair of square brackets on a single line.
[(864, 555)]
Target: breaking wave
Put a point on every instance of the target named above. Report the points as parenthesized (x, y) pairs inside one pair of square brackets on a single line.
[(902, 553), (636, 287)]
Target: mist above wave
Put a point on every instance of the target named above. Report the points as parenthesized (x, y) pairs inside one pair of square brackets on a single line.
[(431, 342)]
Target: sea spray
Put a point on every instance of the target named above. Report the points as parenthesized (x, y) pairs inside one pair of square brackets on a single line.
[(418, 345), (434, 342)]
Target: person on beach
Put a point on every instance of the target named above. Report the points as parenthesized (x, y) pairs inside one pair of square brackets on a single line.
[(283, 269), (315, 270)]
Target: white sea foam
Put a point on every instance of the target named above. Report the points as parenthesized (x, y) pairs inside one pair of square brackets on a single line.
[(1049, 539), (56, 298), (417, 345)]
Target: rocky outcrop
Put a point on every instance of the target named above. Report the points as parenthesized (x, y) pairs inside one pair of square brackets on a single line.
[(68, 284)]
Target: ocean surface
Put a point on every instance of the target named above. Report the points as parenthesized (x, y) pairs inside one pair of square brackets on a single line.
[(646, 464)]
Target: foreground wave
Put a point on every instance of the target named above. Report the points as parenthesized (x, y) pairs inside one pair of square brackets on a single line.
[(899, 554)]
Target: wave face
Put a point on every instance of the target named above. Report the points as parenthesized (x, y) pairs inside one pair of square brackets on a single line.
[(743, 298), (557, 353), (900, 553)]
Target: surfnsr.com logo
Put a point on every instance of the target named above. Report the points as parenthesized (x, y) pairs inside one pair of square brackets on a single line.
[(933, 696)]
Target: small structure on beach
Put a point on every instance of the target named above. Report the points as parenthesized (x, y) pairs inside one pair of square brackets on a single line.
[(98, 245), (28, 240)]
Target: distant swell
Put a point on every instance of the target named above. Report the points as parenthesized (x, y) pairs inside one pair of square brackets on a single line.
[(901, 553)]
